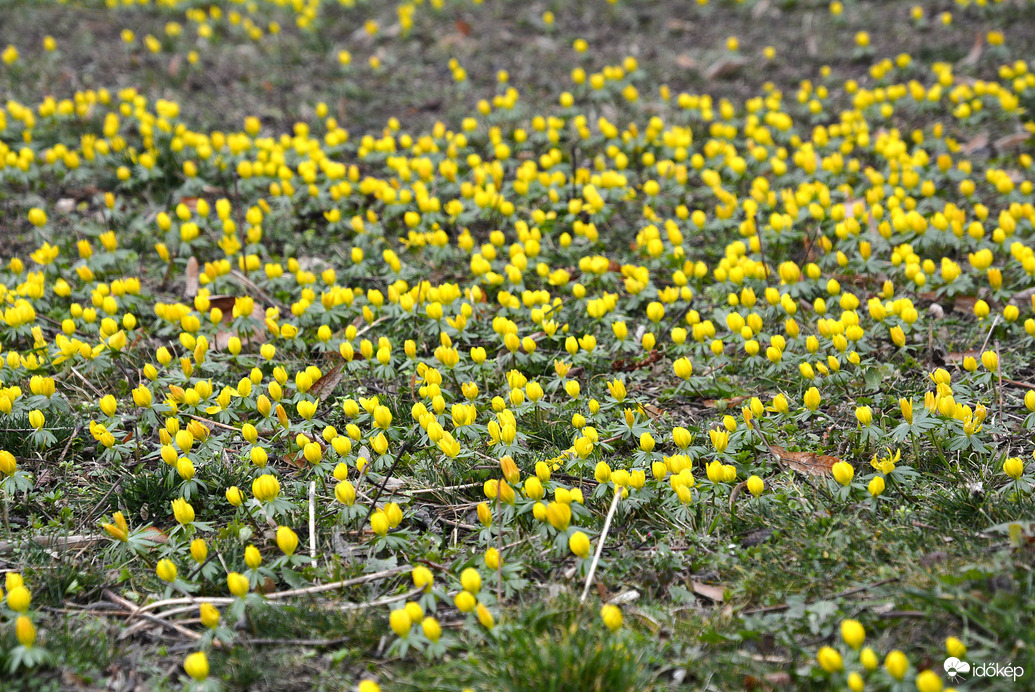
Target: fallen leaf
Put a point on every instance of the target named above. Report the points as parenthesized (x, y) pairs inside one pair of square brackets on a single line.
[(975, 52), (1013, 141), (685, 62), (808, 463), (965, 304), (463, 27), (724, 67), (652, 411), (716, 403), (714, 593), (155, 535), (979, 142), (324, 386), (190, 276), (1022, 298), (960, 356)]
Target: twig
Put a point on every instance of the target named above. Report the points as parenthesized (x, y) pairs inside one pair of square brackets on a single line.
[(989, 335), (384, 481), (312, 521), (600, 544), (67, 542), (442, 489), (276, 596), (848, 592), (118, 600)]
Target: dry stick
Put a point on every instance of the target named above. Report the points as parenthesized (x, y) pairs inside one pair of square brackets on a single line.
[(118, 600), (312, 521), (499, 544), (276, 596), (384, 481), (600, 543), (990, 330), (999, 371), (445, 488), (68, 542)]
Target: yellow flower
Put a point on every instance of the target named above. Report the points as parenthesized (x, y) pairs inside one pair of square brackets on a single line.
[(423, 578), (182, 511), (234, 496), (578, 542), (400, 622), (471, 580), (843, 472), (379, 523), (287, 540), (237, 583), (18, 598), (954, 647), (345, 493), (432, 630), (1013, 467), (252, 557), (720, 439), (198, 550), (755, 485), (896, 664), (812, 398), (928, 681), (8, 464), (876, 486), (683, 368), (829, 660), (612, 617), (119, 530), (166, 570), (209, 615), (853, 633), (25, 631), (485, 617), (196, 665), (465, 601), (559, 515), (617, 389)]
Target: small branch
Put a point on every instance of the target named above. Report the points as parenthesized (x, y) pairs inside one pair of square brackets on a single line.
[(118, 600), (312, 522), (600, 544), (276, 596)]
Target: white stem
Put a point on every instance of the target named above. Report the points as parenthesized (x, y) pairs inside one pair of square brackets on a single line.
[(312, 521), (600, 543)]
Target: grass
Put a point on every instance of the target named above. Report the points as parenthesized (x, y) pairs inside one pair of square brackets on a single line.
[(718, 589)]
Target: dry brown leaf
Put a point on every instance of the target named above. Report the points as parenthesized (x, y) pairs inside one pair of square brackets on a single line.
[(960, 356), (975, 52), (724, 67), (965, 304), (808, 463), (733, 401), (1022, 298), (714, 593), (979, 142), (652, 411), (324, 386), (1014, 141), (191, 277), (686, 62)]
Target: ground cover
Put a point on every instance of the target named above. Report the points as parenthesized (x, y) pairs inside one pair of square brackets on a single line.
[(449, 345)]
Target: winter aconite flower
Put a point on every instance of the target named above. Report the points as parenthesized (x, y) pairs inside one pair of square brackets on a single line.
[(829, 660), (196, 665), (852, 633), (843, 472), (612, 617), (578, 542)]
